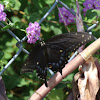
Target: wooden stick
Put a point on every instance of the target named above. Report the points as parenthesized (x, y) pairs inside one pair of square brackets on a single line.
[(70, 67)]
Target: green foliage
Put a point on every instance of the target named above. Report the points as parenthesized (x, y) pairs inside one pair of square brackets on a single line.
[(1, 65), (1, 55), (9, 4), (95, 15), (56, 94), (20, 13)]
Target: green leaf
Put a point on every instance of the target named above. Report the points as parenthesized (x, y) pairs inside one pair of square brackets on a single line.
[(49, 1), (45, 28), (61, 85), (56, 30), (91, 16), (22, 83), (1, 65), (1, 54), (7, 55), (69, 77), (15, 19), (17, 5), (34, 17), (56, 94), (5, 27), (11, 81), (97, 12), (9, 4)]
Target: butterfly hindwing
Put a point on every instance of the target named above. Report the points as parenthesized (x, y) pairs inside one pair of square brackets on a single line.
[(37, 60), (34, 59), (59, 46)]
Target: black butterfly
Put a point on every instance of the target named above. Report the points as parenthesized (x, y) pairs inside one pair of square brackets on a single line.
[(53, 53)]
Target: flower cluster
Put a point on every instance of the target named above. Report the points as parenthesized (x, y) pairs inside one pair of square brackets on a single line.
[(91, 4), (65, 16), (33, 31), (2, 14)]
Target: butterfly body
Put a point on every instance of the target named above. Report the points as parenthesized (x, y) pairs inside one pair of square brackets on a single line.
[(54, 53)]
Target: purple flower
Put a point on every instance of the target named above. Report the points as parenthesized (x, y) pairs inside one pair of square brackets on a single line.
[(1, 8), (97, 5), (65, 16), (2, 14), (33, 31), (91, 4)]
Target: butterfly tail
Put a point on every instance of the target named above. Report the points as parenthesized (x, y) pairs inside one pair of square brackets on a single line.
[(46, 83)]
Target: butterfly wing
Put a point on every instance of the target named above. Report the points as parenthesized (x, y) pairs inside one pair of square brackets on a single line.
[(69, 40), (37, 60), (59, 46), (34, 59)]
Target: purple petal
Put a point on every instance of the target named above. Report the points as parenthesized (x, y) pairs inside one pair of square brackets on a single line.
[(2, 16), (1, 8), (65, 16)]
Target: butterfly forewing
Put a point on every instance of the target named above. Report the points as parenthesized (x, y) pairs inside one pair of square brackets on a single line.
[(69, 40)]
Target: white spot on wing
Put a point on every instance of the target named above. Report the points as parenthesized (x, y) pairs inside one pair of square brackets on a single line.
[(82, 35), (88, 38), (74, 48), (75, 33), (85, 40), (37, 63), (61, 50)]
